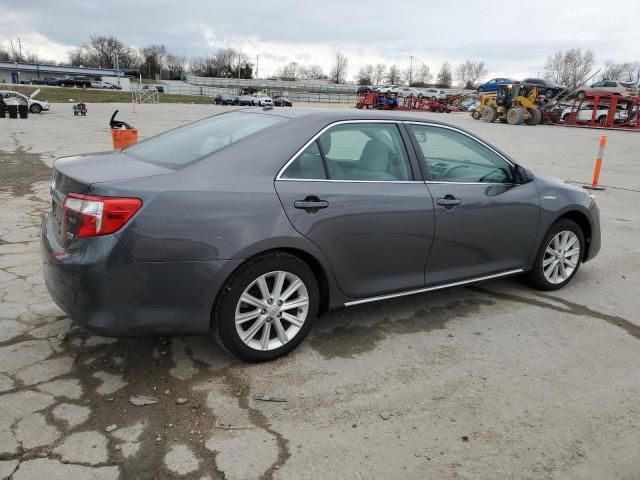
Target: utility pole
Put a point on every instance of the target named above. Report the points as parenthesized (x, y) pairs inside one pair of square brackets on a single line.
[(257, 60), (20, 48), (410, 70)]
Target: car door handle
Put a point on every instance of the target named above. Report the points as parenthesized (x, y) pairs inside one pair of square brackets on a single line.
[(311, 204), (449, 201)]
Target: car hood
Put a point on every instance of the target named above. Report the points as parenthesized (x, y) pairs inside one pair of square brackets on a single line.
[(34, 93)]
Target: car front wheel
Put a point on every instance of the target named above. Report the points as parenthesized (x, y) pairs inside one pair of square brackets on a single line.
[(35, 108), (559, 257), (266, 308)]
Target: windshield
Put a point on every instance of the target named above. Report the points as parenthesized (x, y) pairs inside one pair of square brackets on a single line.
[(182, 146)]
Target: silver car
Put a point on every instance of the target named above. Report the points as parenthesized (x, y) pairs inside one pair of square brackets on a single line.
[(16, 98), (611, 87)]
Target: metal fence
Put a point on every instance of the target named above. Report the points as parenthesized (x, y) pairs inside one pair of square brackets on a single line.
[(283, 85)]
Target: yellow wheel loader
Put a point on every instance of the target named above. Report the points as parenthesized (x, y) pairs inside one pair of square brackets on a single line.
[(513, 104)]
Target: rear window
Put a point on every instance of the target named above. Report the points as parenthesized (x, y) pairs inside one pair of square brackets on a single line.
[(182, 146)]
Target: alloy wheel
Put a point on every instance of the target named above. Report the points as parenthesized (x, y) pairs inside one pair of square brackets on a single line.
[(561, 257), (271, 310)]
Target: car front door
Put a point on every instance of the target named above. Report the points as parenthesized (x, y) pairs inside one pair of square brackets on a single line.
[(355, 192), (485, 222)]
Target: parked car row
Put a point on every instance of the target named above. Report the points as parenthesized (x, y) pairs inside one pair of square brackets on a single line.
[(430, 93), (257, 99), (81, 81)]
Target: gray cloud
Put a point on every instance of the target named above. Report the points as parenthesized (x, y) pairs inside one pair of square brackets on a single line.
[(510, 38)]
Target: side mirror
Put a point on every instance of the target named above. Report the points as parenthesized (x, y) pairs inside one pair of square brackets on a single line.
[(522, 175)]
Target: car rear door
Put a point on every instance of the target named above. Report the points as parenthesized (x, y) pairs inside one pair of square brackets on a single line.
[(355, 191), (485, 222)]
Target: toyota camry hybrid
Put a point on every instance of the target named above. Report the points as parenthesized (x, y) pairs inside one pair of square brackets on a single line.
[(250, 224)]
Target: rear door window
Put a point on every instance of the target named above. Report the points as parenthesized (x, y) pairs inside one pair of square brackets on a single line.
[(182, 146), (365, 152)]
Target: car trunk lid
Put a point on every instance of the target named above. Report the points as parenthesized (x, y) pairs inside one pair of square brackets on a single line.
[(77, 174)]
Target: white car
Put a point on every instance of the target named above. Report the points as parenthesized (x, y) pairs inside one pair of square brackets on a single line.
[(434, 94), (386, 88), (586, 111), (406, 91), (261, 99), (16, 98), (611, 87)]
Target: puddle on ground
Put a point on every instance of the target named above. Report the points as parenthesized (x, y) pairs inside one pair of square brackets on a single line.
[(346, 341)]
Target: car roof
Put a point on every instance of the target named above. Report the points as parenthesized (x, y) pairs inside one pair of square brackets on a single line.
[(336, 115)]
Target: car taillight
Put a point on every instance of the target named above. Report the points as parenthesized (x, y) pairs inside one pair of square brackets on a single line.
[(93, 216)]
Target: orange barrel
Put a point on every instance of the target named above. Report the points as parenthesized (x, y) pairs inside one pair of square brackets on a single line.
[(124, 138)]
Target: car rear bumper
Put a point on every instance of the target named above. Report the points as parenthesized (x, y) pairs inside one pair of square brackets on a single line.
[(106, 291)]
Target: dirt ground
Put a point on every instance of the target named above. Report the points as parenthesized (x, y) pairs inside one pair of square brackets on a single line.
[(492, 381)]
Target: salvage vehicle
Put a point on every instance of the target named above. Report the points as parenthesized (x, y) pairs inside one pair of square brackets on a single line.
[(248, 225), (493, 84), (223, 99), (35, 106), (613, 87)]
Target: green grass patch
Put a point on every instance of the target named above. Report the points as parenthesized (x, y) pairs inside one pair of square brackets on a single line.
[(63, 94)]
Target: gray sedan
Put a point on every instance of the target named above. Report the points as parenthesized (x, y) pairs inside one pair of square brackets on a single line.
[(250, 224)]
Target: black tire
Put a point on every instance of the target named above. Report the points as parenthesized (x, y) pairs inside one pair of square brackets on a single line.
[(535, 118), (434, 98), (480, 89), (489, 114), (223, 317), (253, 104), (602, 120), (476, 115), (84, 85), (566, 117), (515, 116), (35, 108), (536, 277)]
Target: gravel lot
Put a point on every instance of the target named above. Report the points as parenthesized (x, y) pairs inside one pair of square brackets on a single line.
[(493, 381)]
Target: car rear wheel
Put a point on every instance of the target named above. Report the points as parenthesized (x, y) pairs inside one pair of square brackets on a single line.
[(559, 257), (35, 108), (266, 308)]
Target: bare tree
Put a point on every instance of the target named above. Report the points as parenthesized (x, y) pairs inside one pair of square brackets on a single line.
[(444, 78), (424, 74), (631, 72), (469, 72), (570, 68), (153, 60), (339, 70), (225, 63), (291, 70), (393, 75), (379, 74), (312, 72), (4, 54), (623, 72), (175, 65), (366, 74)]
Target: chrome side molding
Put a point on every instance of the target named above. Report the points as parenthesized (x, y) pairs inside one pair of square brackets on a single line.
[(431, 289)]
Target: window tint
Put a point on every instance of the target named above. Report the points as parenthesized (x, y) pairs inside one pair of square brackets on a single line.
[(365, 151), (453, 157), (610, 84), (308, 165), (192, 142)]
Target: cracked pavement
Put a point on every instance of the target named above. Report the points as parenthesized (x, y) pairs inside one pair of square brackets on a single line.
[(492, 381)]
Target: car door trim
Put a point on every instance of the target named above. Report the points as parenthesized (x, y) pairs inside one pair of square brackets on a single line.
[(331, 125), (433, 288)]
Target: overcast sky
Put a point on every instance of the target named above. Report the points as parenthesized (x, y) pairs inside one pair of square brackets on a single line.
[(512, 38)]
